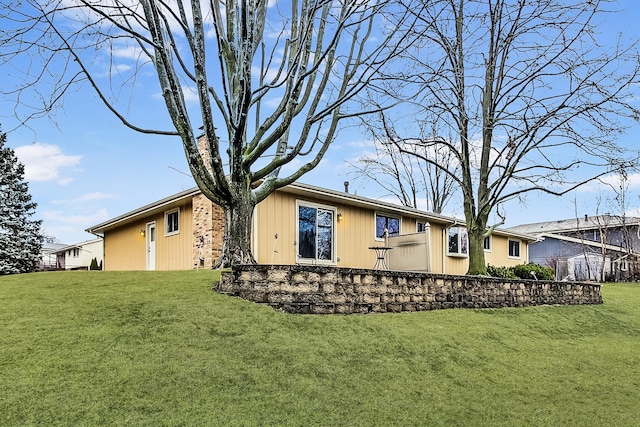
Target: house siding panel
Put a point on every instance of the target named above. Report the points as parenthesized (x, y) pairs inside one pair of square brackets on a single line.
[(175, 252), (499, 255), (277, 214), (125, 248)]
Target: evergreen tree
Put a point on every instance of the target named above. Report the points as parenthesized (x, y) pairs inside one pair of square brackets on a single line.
[(20, 236)]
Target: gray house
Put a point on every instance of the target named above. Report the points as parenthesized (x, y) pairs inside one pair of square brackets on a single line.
[(602, 247)]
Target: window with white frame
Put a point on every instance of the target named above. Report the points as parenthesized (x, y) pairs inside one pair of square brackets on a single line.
[(457, 241), (172, 222), (316, 233), (486, 244), (387, 223), (421, 227), (76, 252), (514, 248), (593, 235)]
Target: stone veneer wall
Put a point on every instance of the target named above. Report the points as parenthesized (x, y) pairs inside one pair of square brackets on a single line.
[(329, 290), (208, 223)]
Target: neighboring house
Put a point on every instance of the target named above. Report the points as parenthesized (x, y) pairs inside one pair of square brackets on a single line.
[(79, 256), (589, 248), (49, 259), (299, 224)]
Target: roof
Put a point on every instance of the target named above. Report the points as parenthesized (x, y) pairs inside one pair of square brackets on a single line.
[(77, 245), (303, 190), (160, 205), (597, 222), (51, 247), (584, 242)]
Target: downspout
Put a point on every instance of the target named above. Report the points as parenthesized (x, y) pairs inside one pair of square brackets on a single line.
[(429, 249), (444, 249)]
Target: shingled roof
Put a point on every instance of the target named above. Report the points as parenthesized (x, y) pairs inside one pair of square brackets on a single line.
[(575, 224)]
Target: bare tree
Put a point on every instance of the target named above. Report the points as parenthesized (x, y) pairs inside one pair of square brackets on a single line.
[(273, 81), (529, 92), (403, 176)]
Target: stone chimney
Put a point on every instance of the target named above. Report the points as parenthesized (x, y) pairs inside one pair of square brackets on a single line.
[(208, 221), (203, 149)]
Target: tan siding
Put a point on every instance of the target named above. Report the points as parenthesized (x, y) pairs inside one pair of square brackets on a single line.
[(499, 255), (125, 248), (275, 215), (355, 233), (437, 248), (175, 252)]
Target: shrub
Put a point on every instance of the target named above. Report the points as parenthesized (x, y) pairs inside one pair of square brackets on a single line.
[(524, 271), (503, 272), (94, 264)]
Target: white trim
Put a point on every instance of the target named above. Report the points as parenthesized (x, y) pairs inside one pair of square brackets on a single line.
[(490, 249), (147, 240), (509, 249), (168, 233), (386, 215), (334, 228), (458, 254)]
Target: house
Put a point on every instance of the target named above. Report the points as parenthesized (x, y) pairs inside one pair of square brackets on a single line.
[(587, 248), (300, 224), (48, 256), (79, 255)]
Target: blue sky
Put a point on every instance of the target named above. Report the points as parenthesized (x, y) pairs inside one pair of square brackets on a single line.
[(85, 167)]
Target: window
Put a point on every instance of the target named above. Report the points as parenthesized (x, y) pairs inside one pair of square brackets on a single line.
[(76, 252), (486, 244), (316, 233), (514, 248), (387, 223), (421, 227), (457, 241), (172, 222)]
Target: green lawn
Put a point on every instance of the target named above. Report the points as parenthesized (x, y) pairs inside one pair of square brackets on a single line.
[(153, 348)]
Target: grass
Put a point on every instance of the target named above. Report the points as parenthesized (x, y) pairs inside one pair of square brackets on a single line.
[(159, 348)]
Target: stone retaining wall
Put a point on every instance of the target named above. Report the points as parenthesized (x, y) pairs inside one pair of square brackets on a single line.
[(332, 290)]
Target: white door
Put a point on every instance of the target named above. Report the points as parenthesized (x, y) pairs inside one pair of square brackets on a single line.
[(151, 246)]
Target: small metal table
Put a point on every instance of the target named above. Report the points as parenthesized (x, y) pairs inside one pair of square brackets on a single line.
[(381, 257)]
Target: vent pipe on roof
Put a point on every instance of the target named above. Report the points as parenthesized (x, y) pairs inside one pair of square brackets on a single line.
[(586, 217), (346, 186)]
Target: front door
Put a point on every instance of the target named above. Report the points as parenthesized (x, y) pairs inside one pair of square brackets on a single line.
[(151, 246)]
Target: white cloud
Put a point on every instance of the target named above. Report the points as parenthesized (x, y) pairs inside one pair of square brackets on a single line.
[(610, 182), (85, 198), (78, 220), (190, 94), (70, 227), (44, 162)]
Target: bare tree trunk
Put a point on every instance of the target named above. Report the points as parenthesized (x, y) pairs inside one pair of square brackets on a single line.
[(238, 221), (477, 265)]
